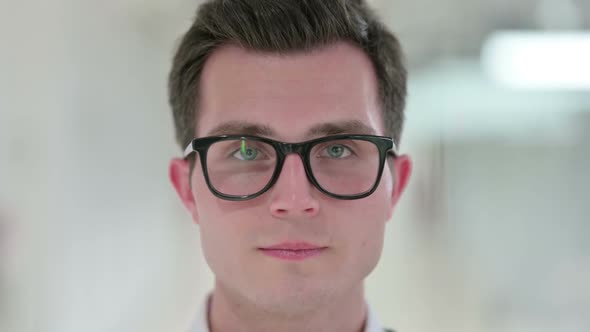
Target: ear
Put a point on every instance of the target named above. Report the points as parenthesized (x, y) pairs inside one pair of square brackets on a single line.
[(179, 173), (402, 169)]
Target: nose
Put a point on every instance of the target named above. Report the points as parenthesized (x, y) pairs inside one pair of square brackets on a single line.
[(293, 194)]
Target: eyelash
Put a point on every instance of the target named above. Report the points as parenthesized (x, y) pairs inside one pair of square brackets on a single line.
[(350, 149)]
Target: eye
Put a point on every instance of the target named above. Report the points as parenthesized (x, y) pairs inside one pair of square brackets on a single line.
[(246, 152), (336, 151)]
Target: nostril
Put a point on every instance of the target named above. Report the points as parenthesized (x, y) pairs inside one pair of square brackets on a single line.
[(280, 213)]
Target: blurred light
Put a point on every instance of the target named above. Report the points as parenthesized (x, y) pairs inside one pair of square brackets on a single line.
[(538, 60)]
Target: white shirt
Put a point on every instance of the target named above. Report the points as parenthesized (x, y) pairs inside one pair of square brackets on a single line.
[(200, 322)]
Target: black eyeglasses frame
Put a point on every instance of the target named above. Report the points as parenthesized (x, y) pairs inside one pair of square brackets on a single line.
[(201, 145)]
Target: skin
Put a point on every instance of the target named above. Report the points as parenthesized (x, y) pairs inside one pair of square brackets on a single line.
[(290, 98)]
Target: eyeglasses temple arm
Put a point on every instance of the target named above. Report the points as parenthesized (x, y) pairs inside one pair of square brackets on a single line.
[(188, 150), (393, 151)]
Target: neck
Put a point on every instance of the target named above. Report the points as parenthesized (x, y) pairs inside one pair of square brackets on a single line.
[(346, 313)]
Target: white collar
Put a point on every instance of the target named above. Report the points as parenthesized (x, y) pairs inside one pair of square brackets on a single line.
[(200, 322)]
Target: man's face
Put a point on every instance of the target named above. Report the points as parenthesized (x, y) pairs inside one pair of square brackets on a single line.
[(290, 94)]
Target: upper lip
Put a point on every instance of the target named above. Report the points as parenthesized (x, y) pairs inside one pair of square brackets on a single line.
[(293, 245)]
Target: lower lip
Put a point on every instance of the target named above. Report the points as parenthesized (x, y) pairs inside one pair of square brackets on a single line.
[(292, 255)]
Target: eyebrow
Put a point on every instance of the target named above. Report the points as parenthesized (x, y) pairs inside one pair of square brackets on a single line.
[(341, 127), (322, 129), (241, 128)]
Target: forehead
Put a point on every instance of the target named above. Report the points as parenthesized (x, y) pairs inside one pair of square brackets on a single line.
[(288, 93)]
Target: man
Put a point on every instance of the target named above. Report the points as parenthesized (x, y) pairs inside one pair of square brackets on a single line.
[(289, 112)]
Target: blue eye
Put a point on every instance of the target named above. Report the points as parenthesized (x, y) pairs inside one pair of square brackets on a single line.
[(245, 152), (338, 151)]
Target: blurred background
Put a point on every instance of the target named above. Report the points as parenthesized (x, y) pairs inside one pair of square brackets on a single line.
[(492, 234)]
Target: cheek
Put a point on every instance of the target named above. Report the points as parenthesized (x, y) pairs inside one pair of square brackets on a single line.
[(362, 225), (224, 240), (215, 230), (365, 231), (227, 229)]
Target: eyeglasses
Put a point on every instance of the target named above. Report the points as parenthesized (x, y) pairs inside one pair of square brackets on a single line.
[(240, 167)]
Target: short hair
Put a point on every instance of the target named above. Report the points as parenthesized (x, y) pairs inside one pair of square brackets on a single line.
[(285, 26)]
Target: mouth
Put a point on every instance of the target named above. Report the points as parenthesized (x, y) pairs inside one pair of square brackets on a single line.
[(293, 251)]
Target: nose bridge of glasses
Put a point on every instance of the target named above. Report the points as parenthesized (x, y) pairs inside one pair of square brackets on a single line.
[(293, 148), (287, 148)]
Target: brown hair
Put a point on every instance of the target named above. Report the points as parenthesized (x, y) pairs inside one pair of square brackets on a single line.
[(284, 26)]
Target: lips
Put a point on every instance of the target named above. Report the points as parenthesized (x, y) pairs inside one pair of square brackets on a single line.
[(293, 250), (293, 246)]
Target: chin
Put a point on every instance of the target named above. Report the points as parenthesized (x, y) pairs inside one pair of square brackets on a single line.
[(292, 298)]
